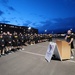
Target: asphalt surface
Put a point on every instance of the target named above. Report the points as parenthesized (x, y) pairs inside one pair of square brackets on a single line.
[(31, 61)]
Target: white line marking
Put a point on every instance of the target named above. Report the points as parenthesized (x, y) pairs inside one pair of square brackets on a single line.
[(44, 55), (42, 46), (33, 53)]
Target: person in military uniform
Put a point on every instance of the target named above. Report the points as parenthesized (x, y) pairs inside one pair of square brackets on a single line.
[(5, 39), (31, 39), (25, 37), (21, 40), (70, 38), (36, 38), (9, 42), (49, 37), (43, 37), (28, 38), (15, 41), (39, 38), (2, 45)]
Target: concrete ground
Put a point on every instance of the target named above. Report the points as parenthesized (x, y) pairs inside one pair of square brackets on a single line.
[(31, 61)]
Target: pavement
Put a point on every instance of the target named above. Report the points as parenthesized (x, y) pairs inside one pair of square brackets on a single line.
[(31, 61)]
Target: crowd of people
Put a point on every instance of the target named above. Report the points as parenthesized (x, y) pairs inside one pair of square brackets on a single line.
[(11, 42)]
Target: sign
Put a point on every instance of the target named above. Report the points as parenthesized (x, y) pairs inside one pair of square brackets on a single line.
[(52, 50)]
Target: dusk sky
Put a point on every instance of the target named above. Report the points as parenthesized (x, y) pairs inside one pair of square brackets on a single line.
[(51, 15)]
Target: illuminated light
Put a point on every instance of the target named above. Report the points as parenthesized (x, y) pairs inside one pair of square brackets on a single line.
[(15, 27), (4, 25), (71, 29), (1, 28), (1, 31), (29, 28), (12, 26), (45, 30), (1, 25)]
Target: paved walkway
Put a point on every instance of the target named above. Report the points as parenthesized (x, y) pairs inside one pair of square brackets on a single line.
[(31, 61)]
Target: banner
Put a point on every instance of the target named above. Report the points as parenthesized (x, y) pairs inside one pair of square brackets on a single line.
[(52, 50)]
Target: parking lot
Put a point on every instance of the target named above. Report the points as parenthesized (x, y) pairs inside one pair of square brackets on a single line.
[(31, 61)]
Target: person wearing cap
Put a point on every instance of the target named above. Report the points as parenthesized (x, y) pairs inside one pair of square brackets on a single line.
[(69, 38)]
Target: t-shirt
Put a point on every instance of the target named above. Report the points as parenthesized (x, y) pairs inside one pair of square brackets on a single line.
[(15, 37), (9, 37), (69, 37), (21, 38), (2, 42)]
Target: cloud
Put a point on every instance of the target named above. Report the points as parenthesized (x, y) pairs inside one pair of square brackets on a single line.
[(66, 21), (35, 25), (41, 16), (11, 8), (57, 25), (45, 24), (4, 20), (31, 24), (69, 2), (27, 23), (5, 3), (1, 12), (60, 25)]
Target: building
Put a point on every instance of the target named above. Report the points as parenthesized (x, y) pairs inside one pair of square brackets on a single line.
[(13, 28)]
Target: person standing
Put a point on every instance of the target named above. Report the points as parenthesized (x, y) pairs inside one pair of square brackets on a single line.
[(15, 41), (70, 38), (9, 42), (2, 45)]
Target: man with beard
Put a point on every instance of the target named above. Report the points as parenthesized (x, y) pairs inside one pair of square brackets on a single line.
[(70, 38)]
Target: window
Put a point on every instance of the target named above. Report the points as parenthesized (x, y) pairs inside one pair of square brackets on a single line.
[(4, 25), (1, 28), (1, 25)]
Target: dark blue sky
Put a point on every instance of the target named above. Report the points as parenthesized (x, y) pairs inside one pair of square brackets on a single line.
[(50, 15)]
